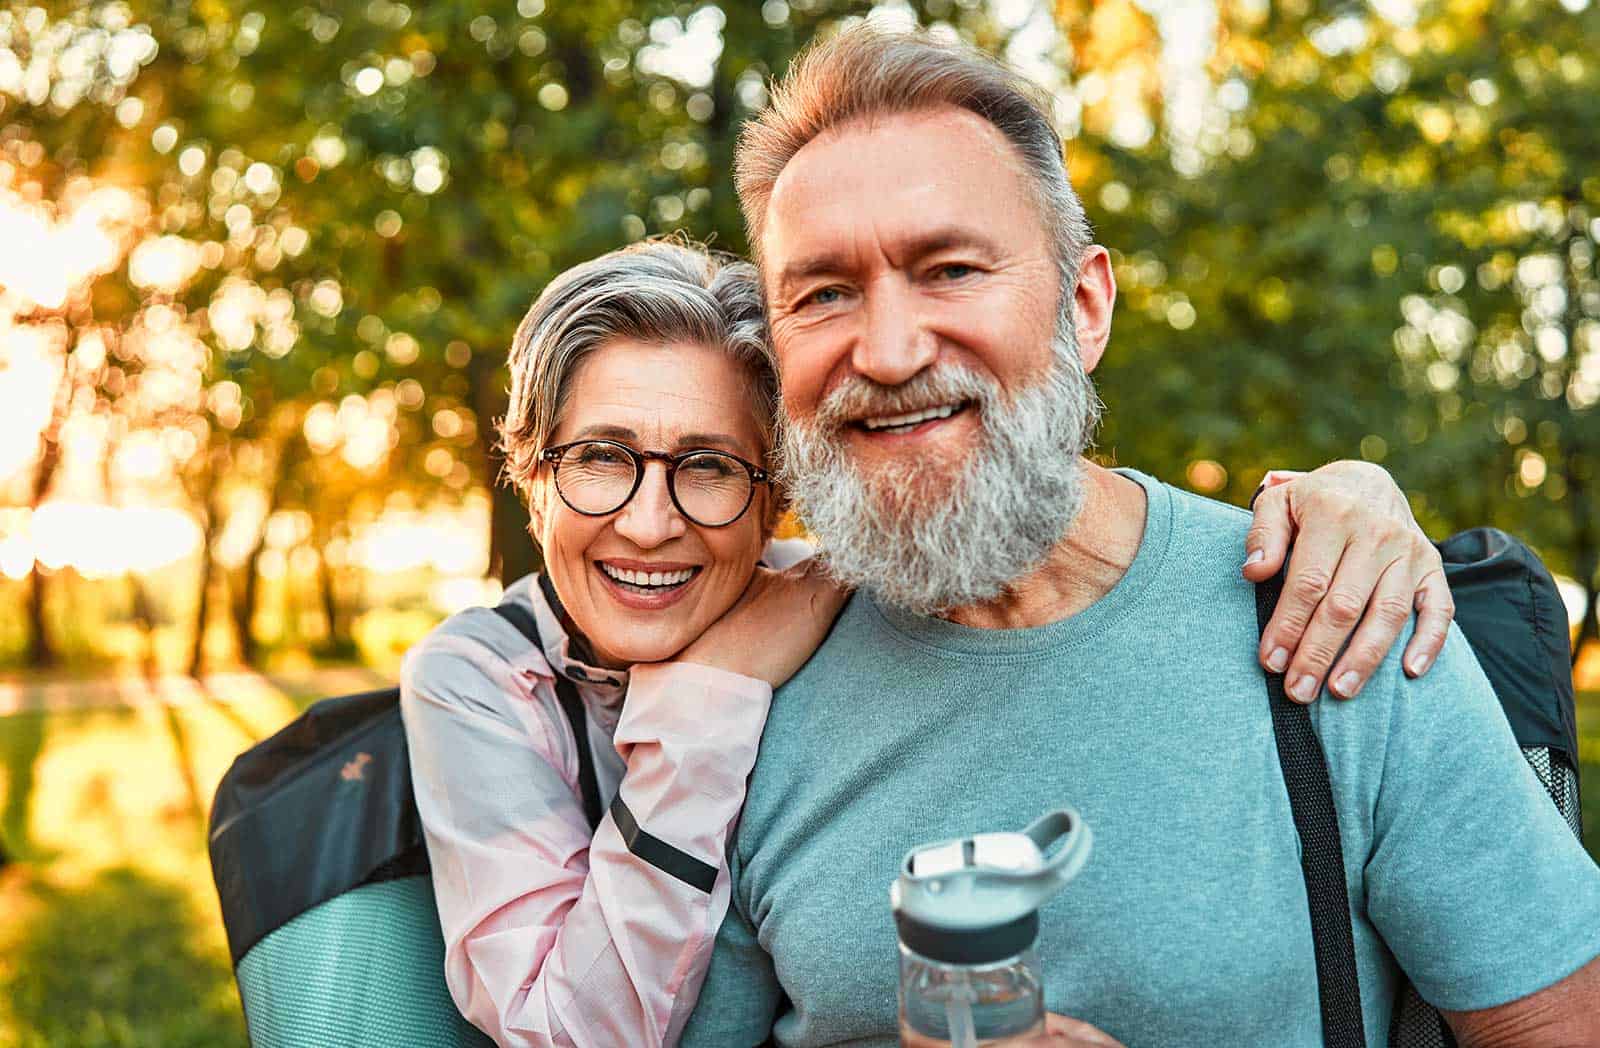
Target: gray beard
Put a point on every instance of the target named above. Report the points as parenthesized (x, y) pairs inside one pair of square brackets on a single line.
[(928, 538)]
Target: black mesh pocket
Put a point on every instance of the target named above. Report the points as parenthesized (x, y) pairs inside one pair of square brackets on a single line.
[(1559, 781)]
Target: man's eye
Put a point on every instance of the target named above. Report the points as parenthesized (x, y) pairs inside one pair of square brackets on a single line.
[(826, 296), (956, 270)]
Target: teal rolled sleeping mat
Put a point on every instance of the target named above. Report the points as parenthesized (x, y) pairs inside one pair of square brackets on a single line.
[(317, 853)]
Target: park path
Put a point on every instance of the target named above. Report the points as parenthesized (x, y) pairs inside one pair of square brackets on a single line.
[(96, 771), (243, 687)]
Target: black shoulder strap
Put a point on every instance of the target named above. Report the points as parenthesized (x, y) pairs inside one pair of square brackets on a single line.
[(1305, 772), (521, 618)]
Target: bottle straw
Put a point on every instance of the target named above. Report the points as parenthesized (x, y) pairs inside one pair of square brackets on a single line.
[(958, 1015)]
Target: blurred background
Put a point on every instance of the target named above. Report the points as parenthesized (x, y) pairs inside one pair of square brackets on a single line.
[(259, 267)]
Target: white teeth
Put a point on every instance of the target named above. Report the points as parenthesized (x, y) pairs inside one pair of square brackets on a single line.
[(648, 578), (899, 421)]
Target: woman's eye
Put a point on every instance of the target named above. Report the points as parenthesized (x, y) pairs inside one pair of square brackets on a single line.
[(600, 456), (710, 466)]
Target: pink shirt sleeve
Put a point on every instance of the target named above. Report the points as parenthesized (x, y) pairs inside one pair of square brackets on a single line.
[(551, 937)]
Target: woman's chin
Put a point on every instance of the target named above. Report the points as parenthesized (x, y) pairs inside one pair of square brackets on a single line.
[(631, 651)]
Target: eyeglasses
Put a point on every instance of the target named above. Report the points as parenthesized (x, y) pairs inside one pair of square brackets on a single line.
[(710, 488)]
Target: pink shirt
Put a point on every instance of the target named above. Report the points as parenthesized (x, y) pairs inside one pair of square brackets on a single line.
[(553, 937)]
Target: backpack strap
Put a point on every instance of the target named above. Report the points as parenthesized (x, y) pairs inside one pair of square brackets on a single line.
[(522, 619), (1305, 773)]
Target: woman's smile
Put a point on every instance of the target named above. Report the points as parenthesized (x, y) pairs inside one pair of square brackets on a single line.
[(646, 586)]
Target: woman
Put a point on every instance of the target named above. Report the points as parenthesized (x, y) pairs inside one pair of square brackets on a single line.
[(640, 430)]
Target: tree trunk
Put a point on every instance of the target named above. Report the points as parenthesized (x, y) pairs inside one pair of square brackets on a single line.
[(41, 651), (202, 614), (212, 523), (325, 593), (149, 662), (246, 598), (244, 606), (338, 641)]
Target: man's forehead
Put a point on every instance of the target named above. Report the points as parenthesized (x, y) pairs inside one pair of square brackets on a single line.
[(926, 163)]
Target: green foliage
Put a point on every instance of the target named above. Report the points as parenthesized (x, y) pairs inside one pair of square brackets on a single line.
[(1387, 250), (1378, 240)]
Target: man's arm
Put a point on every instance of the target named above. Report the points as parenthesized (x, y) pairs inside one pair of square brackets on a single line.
[(1476, 883), (741, 996), (1566, 1014)]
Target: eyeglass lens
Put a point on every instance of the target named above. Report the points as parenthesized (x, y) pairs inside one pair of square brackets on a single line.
[(711, 489)]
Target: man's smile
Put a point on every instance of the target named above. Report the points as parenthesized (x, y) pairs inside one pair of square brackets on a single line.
[(908, 421)]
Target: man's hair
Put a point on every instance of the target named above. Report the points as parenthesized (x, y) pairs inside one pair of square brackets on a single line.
[(863, 72), (657, 291)]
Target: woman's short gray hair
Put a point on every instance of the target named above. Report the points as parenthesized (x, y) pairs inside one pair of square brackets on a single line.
[(656, 291), (863, 72)]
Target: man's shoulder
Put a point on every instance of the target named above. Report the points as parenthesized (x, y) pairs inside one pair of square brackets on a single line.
[(1204, 526)]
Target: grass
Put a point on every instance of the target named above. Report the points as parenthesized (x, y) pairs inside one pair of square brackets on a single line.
[(109, 930)]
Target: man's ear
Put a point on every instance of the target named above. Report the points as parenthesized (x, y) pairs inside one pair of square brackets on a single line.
[(1093, 299)]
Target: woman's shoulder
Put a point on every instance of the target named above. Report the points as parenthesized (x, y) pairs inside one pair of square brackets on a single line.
[(475, 645)]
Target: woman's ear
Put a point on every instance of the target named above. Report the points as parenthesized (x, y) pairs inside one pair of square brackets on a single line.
[(535, 493)]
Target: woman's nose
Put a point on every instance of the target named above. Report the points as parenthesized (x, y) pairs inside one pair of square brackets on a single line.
[(650, 518)]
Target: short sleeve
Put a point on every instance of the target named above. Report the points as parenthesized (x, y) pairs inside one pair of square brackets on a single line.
[(1474, 880)]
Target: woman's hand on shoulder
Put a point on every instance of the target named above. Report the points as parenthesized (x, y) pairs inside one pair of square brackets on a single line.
[(1358, 567), (776, 625)]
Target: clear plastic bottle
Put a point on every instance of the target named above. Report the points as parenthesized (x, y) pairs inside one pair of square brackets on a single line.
[(967, 913), (962, 1005)]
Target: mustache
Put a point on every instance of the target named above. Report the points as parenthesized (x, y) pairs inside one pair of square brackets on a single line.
[(859, 397)]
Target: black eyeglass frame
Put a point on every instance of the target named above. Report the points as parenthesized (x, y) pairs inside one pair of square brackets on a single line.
[(553, 454)]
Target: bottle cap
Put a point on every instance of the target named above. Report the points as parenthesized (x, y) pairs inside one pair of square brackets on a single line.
[(975, 900)]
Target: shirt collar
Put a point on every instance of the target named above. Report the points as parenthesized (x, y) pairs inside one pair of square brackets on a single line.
[(597, 683)]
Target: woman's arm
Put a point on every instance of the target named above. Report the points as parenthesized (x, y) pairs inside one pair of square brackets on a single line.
[(551, 937), (1359, 565)]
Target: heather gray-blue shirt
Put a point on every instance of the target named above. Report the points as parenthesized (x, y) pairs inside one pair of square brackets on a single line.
[(1147, 712)]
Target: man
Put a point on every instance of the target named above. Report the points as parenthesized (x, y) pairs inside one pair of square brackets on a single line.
[(1034, 630)]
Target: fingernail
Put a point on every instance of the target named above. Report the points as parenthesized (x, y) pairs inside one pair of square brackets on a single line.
[(1305, 689), (1348, 684), (1278, 660), (1255, 556), (1419, 665)]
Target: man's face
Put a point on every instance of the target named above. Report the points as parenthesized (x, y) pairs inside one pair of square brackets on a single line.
[(935, 402), (900, 244)]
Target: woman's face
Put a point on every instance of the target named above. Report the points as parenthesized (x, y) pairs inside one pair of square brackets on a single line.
[(652, 398)]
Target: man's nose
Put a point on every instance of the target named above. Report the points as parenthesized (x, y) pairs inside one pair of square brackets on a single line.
[(650, 518), (894, 343)]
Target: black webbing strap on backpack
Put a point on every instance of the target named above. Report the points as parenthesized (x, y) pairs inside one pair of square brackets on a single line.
[(522, 619), (1305, 773)]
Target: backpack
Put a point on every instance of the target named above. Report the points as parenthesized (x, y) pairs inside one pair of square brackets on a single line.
[(1511, 613), (320, 866)]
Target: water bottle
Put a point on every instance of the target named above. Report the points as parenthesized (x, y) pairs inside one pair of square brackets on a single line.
[(967, 913)]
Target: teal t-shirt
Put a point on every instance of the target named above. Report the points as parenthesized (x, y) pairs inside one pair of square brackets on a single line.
[(1148, 713)]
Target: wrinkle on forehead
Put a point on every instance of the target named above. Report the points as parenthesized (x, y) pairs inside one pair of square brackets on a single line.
[(663, 393), (825, 181)]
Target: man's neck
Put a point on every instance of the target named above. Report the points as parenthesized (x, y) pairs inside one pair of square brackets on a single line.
[(1096, 552)]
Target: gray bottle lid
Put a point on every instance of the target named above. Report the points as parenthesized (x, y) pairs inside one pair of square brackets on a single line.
[(975, 900)]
